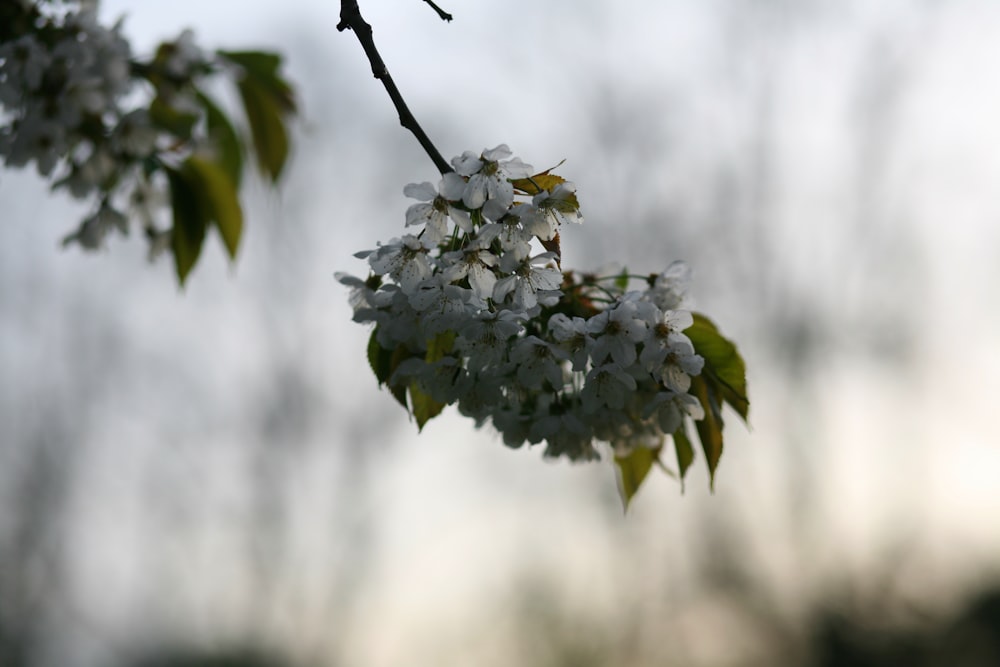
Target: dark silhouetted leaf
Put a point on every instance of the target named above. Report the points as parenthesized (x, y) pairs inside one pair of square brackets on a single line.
[(684, 451), (188, 232), (709, 428), (399, 355), (379, 358)]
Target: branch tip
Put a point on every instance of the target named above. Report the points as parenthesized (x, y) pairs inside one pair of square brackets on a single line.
[(445, 16), (350, 18)]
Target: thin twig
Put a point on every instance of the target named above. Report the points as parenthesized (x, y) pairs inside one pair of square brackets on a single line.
[(350, 19), (445, 16)]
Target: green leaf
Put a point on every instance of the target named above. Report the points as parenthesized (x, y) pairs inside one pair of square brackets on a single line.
[(709, 428), (379, 359), (188, 232), (267, 127), (383, 363), (261, 63), (632, 470), (425, 408), (439, 346), (226, 142), (399, 355), (684, 451), (262, 67), (166, 117), (217, 197), (543, 180), (723, 364)]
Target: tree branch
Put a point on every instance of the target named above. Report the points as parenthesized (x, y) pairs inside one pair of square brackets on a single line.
[(445, 16), (351, 19)]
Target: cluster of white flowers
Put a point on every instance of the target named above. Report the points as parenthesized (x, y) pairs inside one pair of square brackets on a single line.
[(63, 77), (477, 311), (52, 81)]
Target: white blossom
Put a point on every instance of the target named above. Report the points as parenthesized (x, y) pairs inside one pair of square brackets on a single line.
[(607, 385), (436, 208), (95, 228), (669, 408), (34, 138), (514, 241), (23, 62), (616, 332), (442, 306), (135, 134), (668, 354), (557, 206), (603, 365), (405, 260), (670, 288), (525, 285), (574, 337), (183, 56), (476, 264), (489, 176), (484, 392), (566, 434), (362, 297), (485, 337), (537, 360)]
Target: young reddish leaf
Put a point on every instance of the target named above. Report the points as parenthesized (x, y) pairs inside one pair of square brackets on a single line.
[(552, 245), (544, 180), (217, 198), (532, 185), (188, 232), (632, 469)]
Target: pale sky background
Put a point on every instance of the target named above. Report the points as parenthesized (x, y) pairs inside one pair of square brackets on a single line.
[(227, 467)]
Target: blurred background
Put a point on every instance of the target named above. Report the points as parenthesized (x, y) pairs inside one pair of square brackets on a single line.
[(210, 476)]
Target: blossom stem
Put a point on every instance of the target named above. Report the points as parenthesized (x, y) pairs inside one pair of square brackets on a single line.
[(594, 284), (630, 276), (351, 19)]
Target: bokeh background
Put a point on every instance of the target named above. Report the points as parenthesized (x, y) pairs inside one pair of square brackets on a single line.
[(212, 474)]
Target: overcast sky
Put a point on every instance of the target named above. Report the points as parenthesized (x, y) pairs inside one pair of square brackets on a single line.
[(829, 170)]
